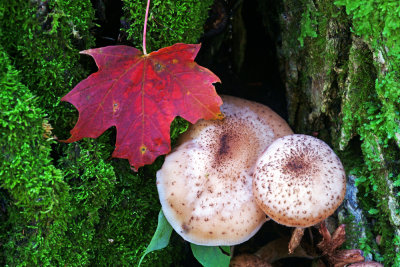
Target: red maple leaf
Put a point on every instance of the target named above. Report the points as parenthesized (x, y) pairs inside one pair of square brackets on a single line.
[(140, 95)]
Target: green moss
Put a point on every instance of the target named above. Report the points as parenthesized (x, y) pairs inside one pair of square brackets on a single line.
[(359, 89), (94, 212), (130, 219), (36, 194), (44, 41), (378, 24), (172, 21), (371, 111), (308, 23)]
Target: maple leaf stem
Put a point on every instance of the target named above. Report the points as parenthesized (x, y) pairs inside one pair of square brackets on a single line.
[(145, 27)]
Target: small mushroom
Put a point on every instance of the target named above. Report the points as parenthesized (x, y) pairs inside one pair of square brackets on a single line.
[(299, 181), (205, 184), (248, 260)]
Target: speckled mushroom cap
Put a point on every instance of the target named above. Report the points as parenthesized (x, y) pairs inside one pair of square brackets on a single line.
[(299, 181), (205, 184)]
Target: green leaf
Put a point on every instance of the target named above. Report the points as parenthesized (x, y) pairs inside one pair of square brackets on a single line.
[(397, 181), (211, 256), (373, 211), (161, 237)]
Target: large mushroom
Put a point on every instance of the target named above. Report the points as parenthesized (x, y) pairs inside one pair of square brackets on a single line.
[(299, 181), (205, 184)]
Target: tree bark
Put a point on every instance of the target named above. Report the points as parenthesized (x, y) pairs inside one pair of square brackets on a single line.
[(335, 80)]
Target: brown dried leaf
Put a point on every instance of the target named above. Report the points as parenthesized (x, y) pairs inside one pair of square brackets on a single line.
[(324, 232), (338, 237), (343, 257), (330, 243), (366, 264)]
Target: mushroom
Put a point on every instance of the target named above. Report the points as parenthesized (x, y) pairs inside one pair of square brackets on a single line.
[(299, 181), (248, 260), (205, 184)]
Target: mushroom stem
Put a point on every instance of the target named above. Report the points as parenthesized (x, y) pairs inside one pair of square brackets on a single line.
[(295, 239)]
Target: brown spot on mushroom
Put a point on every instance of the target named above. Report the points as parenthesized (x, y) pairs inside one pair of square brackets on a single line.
[(223, 145), (185, 228)]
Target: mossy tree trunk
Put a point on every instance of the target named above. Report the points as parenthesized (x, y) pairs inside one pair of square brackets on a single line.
[(71, 204), (340, 64)]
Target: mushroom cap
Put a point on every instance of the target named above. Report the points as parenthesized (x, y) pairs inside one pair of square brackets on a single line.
[(299, 181), (205, 184)]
